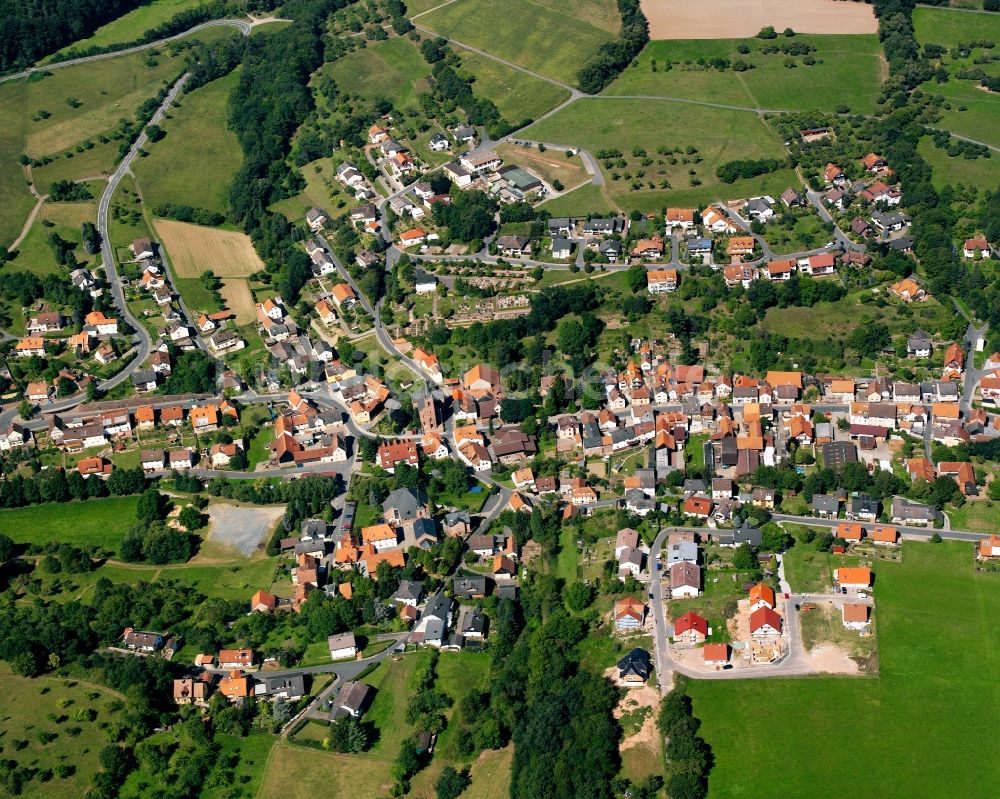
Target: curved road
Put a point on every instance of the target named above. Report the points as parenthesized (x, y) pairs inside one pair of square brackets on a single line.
[(244, 27)]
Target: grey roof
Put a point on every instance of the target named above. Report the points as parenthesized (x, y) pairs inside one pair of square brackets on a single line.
[(341, 641), (473, 621), (863, 504), (353, 696), (435, 630), (468, 585), (143, 376), (409, 590), (456, 517), (906, 509), (682, 550), (825, 503), (405, 502), (313, 528), (438, 607), (291, 684)]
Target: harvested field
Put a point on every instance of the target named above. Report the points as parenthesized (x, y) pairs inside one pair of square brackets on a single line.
[(725, 19), (193, 249), (238, 299)]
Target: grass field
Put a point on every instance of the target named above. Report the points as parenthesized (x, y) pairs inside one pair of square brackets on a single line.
[(925, 713), (974, 112), (547, 39), (517, 95), (718, 135), (193, 249), (102, 522), (982, 173), (588, 199), (392, 69), (848, 71), (34, 253), (981, 516), (105, 90), (195, 162), (132, 25), (840, 318), (25, 712)]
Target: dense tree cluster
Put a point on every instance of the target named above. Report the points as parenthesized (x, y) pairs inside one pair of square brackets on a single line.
[(33, 29), (688, 755), (731, 171), (612, 57)]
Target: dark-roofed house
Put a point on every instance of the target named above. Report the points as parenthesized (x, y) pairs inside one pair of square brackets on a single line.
[(140, 641), (353, 699), (905, 511), (863, 508), (291, 687), (470, 586), (410, 592), (405, 505), (826, 506), (635, 667)]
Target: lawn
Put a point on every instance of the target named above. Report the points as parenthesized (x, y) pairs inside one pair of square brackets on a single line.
[(981, 173), (714, 136), (694, 451), (973, 112), (848, 71), (196, 161), (25, 707), (100, 522), (132, 25), (805, 233), (547, 39), (517, 95), (392, 69), (927, 711), (980, 516), (237, 580), (569, 555), (196, 296)]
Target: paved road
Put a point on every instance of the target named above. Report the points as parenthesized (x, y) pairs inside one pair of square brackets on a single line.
[(972, 375), (244, 27), (906, 531), (143, 338)]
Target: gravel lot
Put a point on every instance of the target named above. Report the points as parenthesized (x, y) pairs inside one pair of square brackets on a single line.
[(243, 528)]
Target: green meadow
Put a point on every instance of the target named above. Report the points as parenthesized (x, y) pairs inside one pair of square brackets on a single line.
[(908, 731)]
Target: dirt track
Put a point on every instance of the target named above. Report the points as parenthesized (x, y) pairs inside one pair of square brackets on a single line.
[(728, 19)]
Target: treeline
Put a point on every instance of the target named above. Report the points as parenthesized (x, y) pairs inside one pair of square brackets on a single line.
[(270, 102), (186, 213), (33, 29), (56, 485), (732, 171), (612, 57), (689, 757)]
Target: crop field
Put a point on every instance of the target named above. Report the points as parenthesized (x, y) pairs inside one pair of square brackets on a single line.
[(238, 299), (547, 39), (80, 104), (193, 249), (716, 136), (392, 69), (196, 160), (517, 95), (722, 19), (101, 522), (848, 70), (131, 26), (929, 708), (46, 706)]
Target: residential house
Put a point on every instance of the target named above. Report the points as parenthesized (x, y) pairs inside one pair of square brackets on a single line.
[(629, 613), (690, 629), (661, 281), (856, 616), (342, 646), (685, 580), (765, 623), (635, 667)]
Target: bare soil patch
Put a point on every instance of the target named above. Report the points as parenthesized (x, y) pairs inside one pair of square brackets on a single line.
[(193, 249), (729, 19), (832, 659)]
